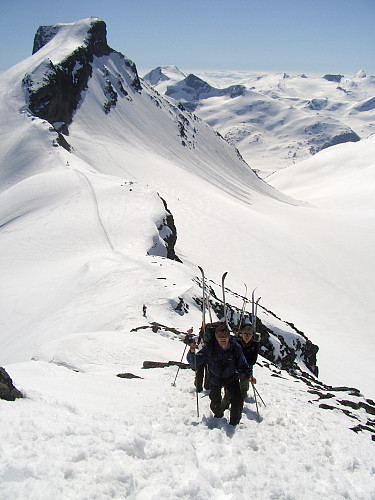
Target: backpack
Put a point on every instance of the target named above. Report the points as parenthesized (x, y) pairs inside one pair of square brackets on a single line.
[(209, 333)]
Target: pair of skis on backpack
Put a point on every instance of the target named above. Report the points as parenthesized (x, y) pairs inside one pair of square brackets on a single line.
[(254, 304)]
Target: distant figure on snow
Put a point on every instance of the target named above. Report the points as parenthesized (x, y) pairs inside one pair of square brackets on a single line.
[(224, 358), (144, 311)]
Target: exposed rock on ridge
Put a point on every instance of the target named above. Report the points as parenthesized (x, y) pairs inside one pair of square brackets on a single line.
[(171, 237), (284, 345), (57, 96), (7, 389)]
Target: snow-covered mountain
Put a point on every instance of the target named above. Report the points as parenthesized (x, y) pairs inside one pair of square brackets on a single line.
[(276, 120), (111, 195)]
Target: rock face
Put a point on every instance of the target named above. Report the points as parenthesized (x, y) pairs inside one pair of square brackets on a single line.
[(7, 389), (57, 96), (333, 78), (285, 345), (168, 232), (346, 136)]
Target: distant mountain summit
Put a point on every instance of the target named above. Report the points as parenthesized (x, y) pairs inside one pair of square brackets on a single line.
[(193, 89), (162, 74)]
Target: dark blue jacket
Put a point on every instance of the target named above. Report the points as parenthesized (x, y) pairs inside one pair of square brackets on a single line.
[(223, 366)]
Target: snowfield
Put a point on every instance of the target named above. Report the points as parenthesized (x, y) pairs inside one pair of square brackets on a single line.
[(84, 239), (89, 434)]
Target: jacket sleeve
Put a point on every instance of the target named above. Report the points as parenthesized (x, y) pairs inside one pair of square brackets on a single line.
[(201, 357), (252, 359), (242, 364)]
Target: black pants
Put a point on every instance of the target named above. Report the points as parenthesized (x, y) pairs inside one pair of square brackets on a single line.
[(201, 374), (236, 400)]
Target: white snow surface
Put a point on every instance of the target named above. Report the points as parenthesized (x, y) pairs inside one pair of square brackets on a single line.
[(80, 253), (88, 434)]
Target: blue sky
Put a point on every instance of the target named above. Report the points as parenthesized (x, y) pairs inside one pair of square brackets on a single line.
[(295, 36)]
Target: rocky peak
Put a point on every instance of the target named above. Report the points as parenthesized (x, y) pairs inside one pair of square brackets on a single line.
[(155, 76), (54, 90), (96, 39), (43, 35), (333, 78)]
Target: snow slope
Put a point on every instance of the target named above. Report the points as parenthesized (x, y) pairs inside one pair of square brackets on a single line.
[(88, 434), (82, 249), (341, 177)]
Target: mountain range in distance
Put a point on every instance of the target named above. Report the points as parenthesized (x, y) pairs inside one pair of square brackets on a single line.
[(276, 120)]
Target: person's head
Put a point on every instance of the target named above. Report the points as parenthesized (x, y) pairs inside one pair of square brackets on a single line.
[(222, 335), (247, 334)]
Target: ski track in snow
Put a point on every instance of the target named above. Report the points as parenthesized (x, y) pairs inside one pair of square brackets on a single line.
[(96, 206)]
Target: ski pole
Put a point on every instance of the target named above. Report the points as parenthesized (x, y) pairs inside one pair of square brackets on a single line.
[(256, 402), (183, 354), (259, 395), (196, 389)]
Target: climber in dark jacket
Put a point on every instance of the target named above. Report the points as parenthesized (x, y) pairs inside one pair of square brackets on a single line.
[(225, 358), (250, 349)]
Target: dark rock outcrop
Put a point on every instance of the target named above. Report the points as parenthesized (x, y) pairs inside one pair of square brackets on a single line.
[(57, 97), (167, 233), (7, 389), (325, 134), (164, 364), (348, 400), (171, 237), (333, 78), (349, 136), (317, 104), (283, 347), (128, 375), (156, 327)]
